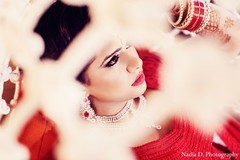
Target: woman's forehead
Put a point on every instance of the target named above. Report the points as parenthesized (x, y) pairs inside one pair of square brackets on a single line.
[(114, 43)]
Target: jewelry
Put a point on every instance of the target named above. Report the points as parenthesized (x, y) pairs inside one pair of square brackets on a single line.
[(206, 18), (197, 17), (88, 113), (115, 118), (189, 17), (180, 17), (111, 121), (86, 110), (200, 17)]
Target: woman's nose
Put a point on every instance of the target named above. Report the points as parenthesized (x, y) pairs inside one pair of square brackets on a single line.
[(134, 63)]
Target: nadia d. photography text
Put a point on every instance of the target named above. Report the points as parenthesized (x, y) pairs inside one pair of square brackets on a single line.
[(209, 154)]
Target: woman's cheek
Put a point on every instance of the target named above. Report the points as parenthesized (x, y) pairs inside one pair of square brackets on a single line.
[(110, 80), (114, 80)]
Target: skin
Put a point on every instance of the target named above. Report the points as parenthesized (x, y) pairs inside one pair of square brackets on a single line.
[(111, 87), (111, 78)]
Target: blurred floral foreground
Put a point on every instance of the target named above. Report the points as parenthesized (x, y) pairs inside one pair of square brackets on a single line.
[(199, 79)]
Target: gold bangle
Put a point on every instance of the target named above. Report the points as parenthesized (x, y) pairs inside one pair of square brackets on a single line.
[(180, 17), (189, 16)]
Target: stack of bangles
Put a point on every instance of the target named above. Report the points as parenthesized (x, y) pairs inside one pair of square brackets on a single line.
[(193, 16)]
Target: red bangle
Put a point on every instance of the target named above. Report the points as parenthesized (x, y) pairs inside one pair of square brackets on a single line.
[(200, 17), (206, 17), (196, 15)]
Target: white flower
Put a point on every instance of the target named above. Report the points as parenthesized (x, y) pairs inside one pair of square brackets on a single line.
[(5, 72), (4, 108)]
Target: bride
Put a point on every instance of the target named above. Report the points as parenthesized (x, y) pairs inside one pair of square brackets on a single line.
[(117, 84)]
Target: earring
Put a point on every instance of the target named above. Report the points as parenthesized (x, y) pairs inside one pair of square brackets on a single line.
[(86, 110)]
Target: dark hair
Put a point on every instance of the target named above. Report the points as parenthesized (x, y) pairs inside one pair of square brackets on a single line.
[(58, 26)]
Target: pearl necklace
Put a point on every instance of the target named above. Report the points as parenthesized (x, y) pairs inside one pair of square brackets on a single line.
[(145, 120), (112, 121), (89, 114), (115, 118)]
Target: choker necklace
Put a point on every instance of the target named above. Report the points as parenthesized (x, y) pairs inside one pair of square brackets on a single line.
[(111, 121), (89, 114), (115, 118)]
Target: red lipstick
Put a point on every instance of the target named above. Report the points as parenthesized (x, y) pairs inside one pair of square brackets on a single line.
[(139, 79)]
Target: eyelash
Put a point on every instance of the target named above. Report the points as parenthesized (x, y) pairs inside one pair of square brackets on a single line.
[(114, 59)]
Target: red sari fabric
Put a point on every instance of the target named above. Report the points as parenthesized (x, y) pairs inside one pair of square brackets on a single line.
[(151, 68), (186, 142), (40, 136), (183, 142)]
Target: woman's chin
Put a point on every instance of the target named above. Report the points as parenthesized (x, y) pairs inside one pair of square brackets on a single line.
[(141, 89)]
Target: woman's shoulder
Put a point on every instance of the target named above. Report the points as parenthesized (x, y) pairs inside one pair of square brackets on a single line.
[(176, 143)]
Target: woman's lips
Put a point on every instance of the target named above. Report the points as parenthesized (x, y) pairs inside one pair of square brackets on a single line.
[(139, 79)]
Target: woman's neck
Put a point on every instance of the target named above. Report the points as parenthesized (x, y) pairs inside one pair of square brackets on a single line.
[(102, 108)]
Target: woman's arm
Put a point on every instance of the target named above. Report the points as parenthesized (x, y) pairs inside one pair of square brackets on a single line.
[(207, 19), (223, 25)]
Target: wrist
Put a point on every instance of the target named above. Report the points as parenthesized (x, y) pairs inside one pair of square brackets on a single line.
[(191, 15)]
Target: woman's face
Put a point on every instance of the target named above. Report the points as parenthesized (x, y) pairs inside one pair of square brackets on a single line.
[(116, 73)]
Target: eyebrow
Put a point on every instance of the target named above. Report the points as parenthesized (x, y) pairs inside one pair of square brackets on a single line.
[(107, 57)]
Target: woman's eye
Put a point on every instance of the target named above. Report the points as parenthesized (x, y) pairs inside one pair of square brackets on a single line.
[(112, 61)]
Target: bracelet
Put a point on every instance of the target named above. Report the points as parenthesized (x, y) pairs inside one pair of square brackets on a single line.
[(197, 17), (206, 18), (180, 14), (189, 16)]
